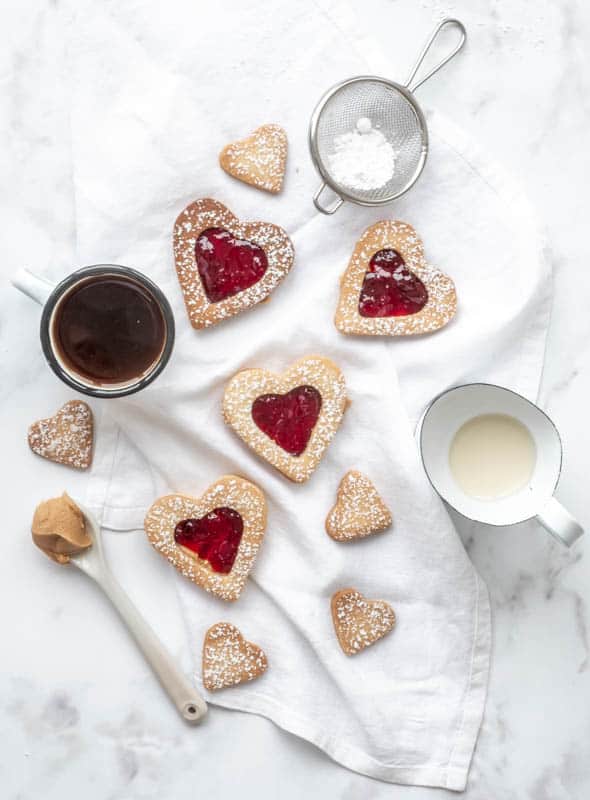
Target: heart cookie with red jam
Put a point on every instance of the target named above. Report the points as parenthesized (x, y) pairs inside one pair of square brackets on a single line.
[(225, 266), (259, 159), (359, 510), (291, 418), (229, 659), (213, 540), (359, 622), (389, 289)]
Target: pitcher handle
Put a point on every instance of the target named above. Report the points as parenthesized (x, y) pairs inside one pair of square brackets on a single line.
[(560, 523), (35, 287)]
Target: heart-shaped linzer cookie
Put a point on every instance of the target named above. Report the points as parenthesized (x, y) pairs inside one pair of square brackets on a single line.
[(226, 266), (258, 159), (66, 437), (359, 510), (359, 622), (389, 289), (229, 659), (288, 419), (212, 540)]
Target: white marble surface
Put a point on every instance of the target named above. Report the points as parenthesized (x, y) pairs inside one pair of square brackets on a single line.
[(87, 720)]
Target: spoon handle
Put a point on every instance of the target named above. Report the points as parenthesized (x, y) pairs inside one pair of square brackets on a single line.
[(191, 706)]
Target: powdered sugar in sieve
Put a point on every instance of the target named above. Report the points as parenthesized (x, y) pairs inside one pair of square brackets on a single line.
[(368, 136)]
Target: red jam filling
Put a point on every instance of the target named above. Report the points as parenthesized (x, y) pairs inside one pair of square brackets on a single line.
[(227, 265), (214, 538), (390, 289), (288, 418)]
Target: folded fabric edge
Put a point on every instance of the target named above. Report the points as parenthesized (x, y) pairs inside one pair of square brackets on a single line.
[(505, 185), (477, 689), (452, 775), (344, 17)]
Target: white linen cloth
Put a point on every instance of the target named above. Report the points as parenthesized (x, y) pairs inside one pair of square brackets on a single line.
[(157, 89)]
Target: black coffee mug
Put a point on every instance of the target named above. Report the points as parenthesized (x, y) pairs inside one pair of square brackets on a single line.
[(106, 330)]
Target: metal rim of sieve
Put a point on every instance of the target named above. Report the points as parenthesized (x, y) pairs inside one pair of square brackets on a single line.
[(324, 171), (404, 91)]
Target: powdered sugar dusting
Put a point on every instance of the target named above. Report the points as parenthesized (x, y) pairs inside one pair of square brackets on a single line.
[(230, 491), (362, 159), (440, 307), (207, 213), (66, 437), (228, 659), (359, 510), (359, 622), (246, 386), (259, 159)]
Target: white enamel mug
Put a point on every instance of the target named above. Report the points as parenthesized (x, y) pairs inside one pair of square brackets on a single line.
[(448, 412), (50, 295)]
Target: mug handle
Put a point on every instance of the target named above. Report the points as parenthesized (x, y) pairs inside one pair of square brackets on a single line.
[(38, 289), (560, 523)]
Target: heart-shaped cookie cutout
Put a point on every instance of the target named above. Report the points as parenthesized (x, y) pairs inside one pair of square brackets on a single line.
[(359, 622), (389, 289), (66, 437), (359, 510), (258, 159), (213, 540), (229, 659), (225, 266), (288, 419)]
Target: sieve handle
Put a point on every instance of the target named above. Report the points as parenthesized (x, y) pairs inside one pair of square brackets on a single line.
[(326, 209), (455, 23)]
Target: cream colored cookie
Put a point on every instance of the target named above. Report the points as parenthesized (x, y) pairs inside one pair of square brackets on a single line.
[(230, 495), (440, 306), (359, 510), (228, 659), (66, 437), (308, 378), (359, 622), (259, 159), (205, 214)]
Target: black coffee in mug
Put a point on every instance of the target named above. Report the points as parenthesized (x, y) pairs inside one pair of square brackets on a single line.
[(108, 329)]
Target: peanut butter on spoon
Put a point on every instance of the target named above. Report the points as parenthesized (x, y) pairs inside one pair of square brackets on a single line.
[(59, 529)]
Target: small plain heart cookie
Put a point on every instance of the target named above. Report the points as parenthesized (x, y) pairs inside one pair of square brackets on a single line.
[(229, 659), (359, 622), (389, 289), (212, 540), (66, 437), (259, 159), (359, 510), (225, 266), (291, 418)]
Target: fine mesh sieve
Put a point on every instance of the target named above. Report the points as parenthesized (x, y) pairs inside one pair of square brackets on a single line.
[(393, 110)]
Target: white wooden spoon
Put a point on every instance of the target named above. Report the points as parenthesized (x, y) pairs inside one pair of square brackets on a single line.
[(91, 561)]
